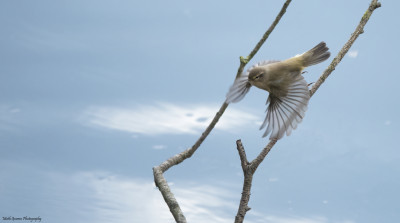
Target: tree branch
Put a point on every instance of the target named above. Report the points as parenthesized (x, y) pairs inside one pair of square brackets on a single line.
[(242, 154), (245, 60), (250, 168), (359, 30), (158, 171), (248, 171)]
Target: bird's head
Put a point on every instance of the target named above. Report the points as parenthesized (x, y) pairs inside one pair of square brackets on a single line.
[(258, 76)]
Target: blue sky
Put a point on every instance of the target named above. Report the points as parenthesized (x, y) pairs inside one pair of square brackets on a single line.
[(93, 94)]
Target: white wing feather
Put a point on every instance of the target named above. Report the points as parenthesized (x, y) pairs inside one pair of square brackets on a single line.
[(285, 113)]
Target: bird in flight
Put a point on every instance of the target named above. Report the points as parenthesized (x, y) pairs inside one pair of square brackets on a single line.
[(288, 91)]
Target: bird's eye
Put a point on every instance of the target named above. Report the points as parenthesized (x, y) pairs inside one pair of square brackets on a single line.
[(258, 77)]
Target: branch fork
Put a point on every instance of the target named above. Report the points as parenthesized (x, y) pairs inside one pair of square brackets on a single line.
[(248, 168)]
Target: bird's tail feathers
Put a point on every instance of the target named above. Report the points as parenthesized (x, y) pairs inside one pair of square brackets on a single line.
[(316, 55)]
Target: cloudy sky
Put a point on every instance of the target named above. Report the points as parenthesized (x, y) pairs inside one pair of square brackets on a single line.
[(93, 94)]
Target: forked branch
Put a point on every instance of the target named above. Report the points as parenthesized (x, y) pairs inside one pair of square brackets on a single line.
[(158, 171), (250, 168)]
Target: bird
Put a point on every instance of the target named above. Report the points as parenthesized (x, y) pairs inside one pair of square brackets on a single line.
[(288, 90)]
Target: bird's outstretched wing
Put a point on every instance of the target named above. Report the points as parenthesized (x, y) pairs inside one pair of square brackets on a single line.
[(238, 90), (285, 113), (241, 85)]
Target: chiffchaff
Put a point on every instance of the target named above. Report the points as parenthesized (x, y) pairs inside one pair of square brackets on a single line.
[(288, 91)]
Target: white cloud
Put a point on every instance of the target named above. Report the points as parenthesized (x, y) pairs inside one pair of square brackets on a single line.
[(105, 197), (353, 53), (159, 147), (8, 118), (273, 179), (120, 199), (15, 110), (166, 118), (292, 219), (187, 13)]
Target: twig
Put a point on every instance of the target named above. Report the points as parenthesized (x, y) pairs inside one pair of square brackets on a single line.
[(158, 171), (250, 168), (248, 171), (359, 30), (245, 60)]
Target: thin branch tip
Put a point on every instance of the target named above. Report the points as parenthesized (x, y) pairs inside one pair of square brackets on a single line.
[(244, 60)]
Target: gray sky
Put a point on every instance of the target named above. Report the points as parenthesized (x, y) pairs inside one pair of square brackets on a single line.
[(93, 94)]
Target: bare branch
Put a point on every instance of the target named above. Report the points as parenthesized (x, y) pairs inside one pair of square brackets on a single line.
[(250, 169), (244, 61), (169, 198), (359, 30), (242, 154), (248, 178), (256, 162), (244, 200), (158, 171)]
